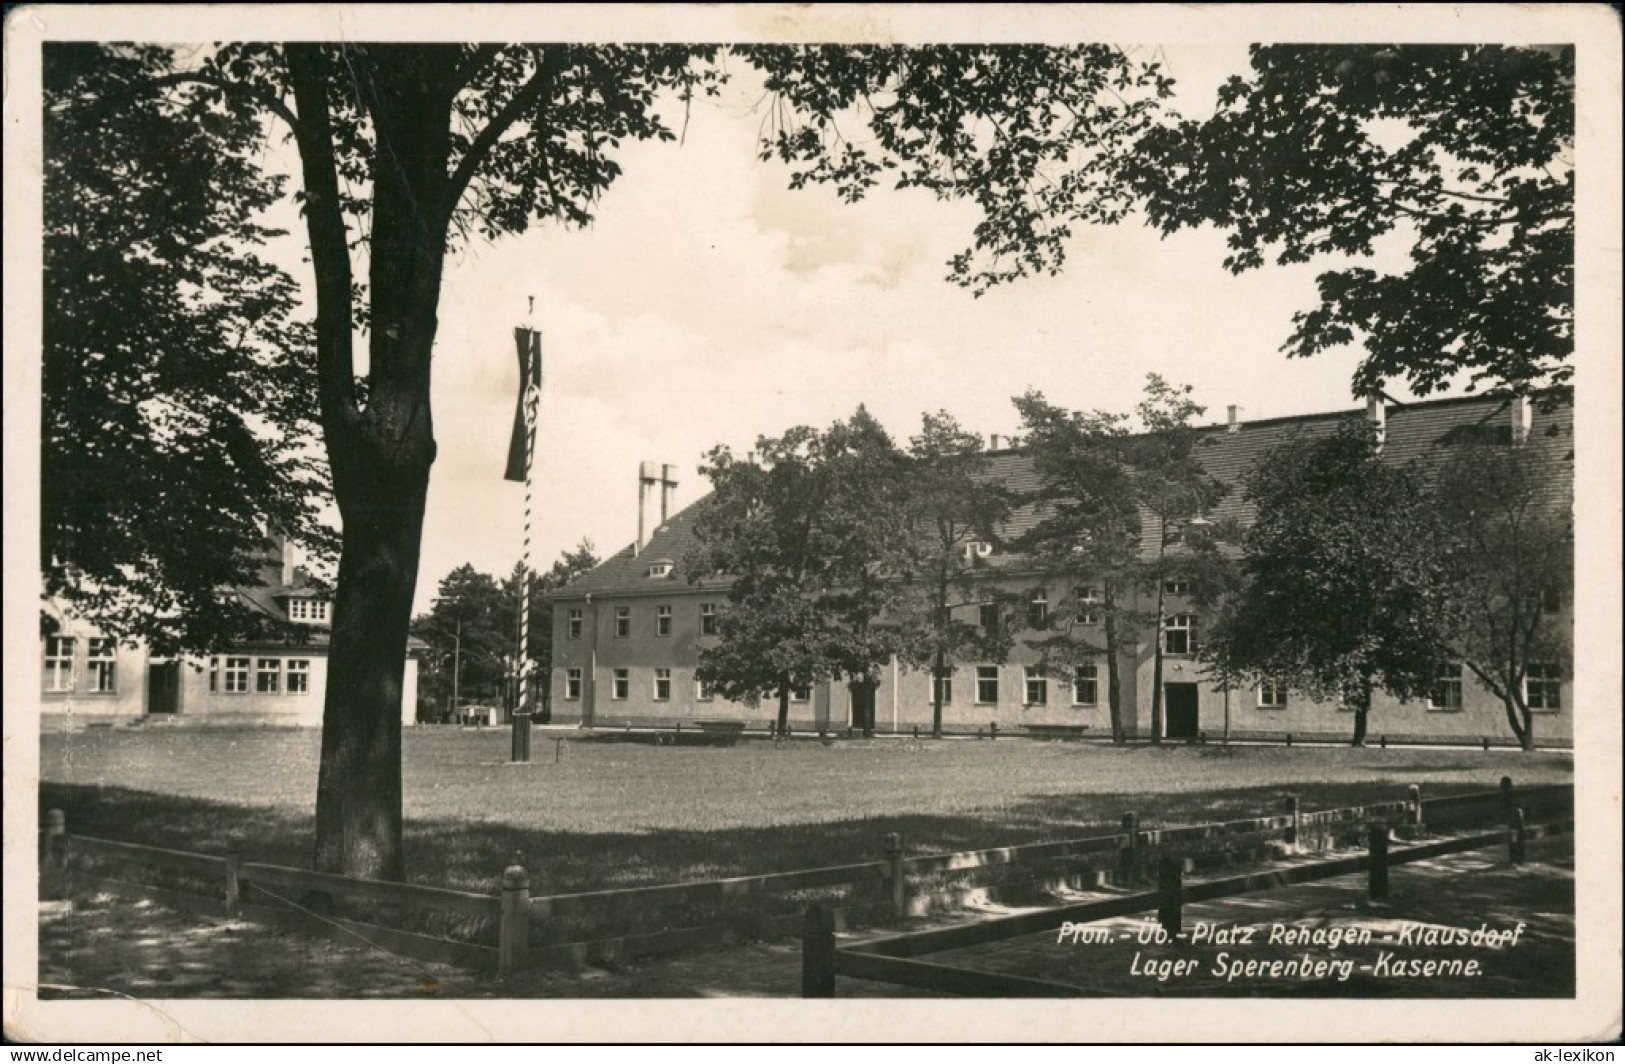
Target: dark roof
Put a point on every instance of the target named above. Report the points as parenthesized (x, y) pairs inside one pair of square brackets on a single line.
[(270, 600), (1414, 431)]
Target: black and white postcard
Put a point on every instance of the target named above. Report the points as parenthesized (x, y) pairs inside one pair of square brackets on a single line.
[(581, 523)]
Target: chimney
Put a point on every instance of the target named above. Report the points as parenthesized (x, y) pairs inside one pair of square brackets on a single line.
[(1522, 415), (1377, 412), (668, 488), (1233, 426), (646, 475)]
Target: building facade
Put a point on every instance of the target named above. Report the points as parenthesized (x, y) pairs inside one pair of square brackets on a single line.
[(627, 636), (89, 678)]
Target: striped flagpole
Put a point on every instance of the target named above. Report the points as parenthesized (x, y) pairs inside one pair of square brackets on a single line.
[(532, 368)]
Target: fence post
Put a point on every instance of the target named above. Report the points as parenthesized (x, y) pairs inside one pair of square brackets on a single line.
[(899, 892), (1382, 741), (55, 857), (1486, 744), (513, 947), (993, 730), (1170, 890), (1506, 799), (1131, 853), (1416, 808), (1297, 820), (1289, 738), (234, 888), (1515, 837), (818, 952), (1377, 841)]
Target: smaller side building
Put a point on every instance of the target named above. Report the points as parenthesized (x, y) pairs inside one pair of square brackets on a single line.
[(91, 679)]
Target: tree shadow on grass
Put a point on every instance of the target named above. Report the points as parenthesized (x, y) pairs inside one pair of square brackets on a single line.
[(471, 855)]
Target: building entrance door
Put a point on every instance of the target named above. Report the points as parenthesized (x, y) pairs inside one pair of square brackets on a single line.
[(1180, 711), (164, 687), (863, 705)]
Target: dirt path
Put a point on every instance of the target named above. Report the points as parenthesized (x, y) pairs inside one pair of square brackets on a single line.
[(98, 944)]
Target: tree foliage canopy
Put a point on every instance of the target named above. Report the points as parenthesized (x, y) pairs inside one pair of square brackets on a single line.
[(811, 536), (1345, 586), (178, 384), (1510, 552), (1465, 152)]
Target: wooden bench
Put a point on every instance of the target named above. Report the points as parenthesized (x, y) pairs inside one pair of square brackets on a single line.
[(718, 732), (1056, 731)]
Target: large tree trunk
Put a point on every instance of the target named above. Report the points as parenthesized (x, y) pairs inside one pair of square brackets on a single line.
[(1114, 689), (1362, 707), (938, 664), (784, 710), (358, 792), (1522, 722), (381, 446), (1156, 669)]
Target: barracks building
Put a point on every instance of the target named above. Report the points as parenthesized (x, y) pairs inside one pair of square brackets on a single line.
[(627, 635)]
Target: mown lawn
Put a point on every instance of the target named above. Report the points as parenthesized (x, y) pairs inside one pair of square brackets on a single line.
[(609, 815)]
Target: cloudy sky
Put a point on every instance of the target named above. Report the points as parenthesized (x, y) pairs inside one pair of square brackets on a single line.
[(709, 304)]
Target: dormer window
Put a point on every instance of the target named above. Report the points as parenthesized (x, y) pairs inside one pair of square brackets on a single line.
[(660, 568), (308, 611)]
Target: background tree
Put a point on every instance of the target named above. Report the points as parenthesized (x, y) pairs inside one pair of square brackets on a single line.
[(954, 502), (1511, 563), (178, 385), (1175, 492), (1345, 587), (407, 149), (1465, 152), (470, 632), (807, 535), (1087, 521)]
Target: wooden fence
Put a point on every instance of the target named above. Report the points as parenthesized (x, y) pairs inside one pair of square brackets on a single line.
[(511, 930), (894, 959)]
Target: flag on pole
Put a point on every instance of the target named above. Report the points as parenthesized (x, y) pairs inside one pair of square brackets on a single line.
[(529, 402)]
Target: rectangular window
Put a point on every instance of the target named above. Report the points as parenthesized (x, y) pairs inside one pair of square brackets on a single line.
[(572, 625), (59, 663), (214, 675), (708, 618), (1543, 687), (623, 621), (987, 615), (1038, 609), (1446, 693), (236, 676), (1271, 695), (662, 620), (662, 685), (102, 666), (1086, 603), (1178, 634), (268, 676), (298, 676), (620, 684), (1176, 587), (987, 684), (702, 690), (1085, 685), (942, 687), (1037, 686), (801, 694), (310, 611), (572, 684)]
